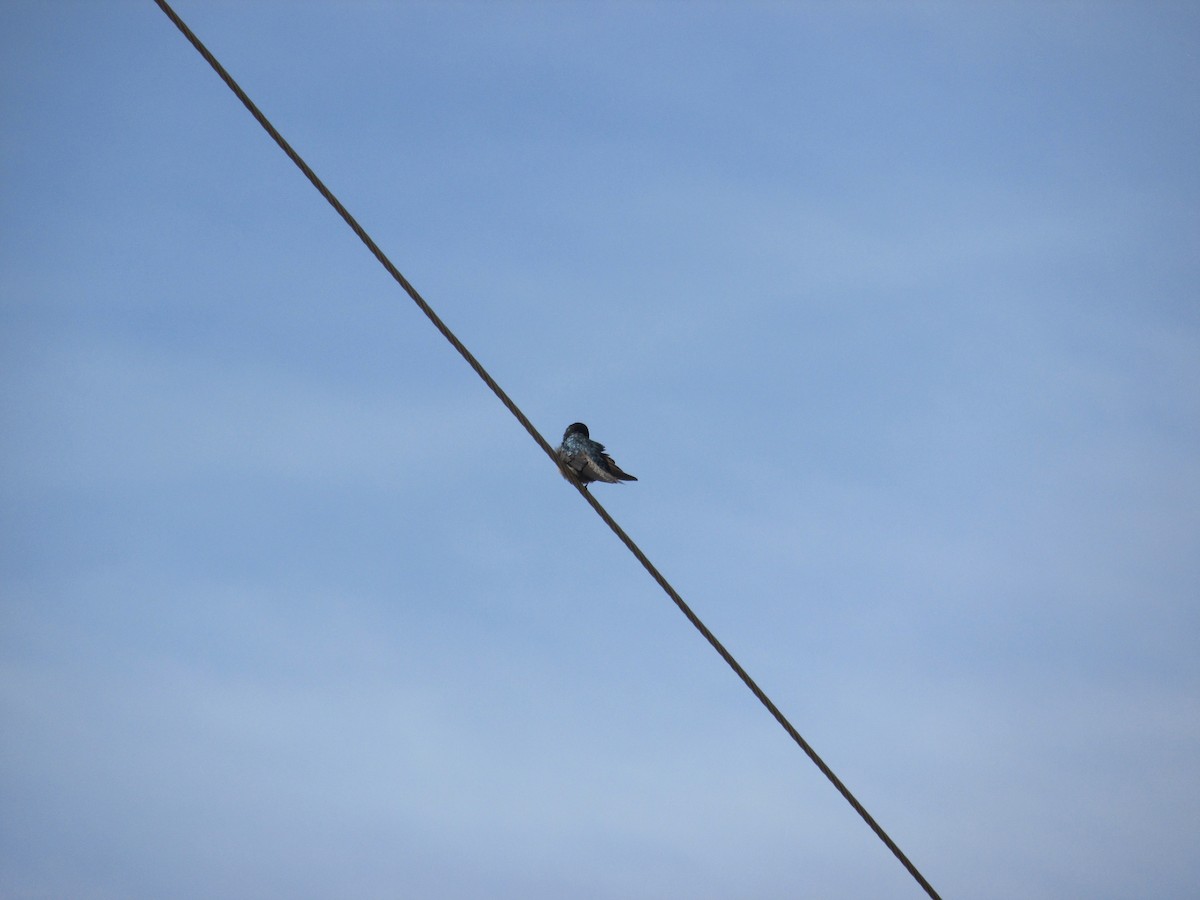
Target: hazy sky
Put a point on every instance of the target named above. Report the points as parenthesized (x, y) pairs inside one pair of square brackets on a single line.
[(891, 308)]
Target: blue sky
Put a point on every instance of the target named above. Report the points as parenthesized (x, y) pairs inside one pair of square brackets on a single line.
[(891, 308)]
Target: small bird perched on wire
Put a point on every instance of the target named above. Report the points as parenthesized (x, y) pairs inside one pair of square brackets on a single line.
[(586, 460)]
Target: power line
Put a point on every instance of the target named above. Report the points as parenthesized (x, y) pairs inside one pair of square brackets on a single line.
[(546, 448)]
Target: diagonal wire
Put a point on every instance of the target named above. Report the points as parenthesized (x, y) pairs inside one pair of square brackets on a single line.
[(546, 448)]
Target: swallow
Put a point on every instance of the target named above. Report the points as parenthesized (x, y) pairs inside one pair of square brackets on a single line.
[(586, 460)]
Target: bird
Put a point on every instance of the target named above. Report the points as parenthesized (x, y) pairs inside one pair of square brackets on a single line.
[(586, 460)]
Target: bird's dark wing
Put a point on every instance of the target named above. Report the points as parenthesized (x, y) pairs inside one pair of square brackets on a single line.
[(599, 467), (615, 471)]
